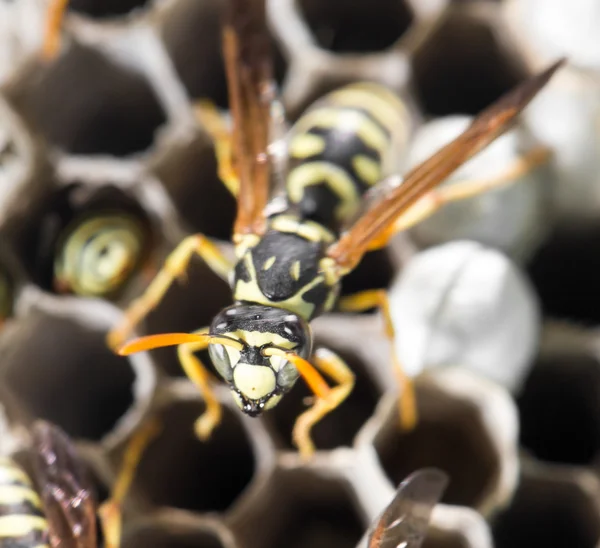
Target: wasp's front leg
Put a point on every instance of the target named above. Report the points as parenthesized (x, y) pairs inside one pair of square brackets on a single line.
[(175, 267), (327, 399)]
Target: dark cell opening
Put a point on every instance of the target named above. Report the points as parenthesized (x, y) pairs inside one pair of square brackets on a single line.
[(340, 426), (192, 36), (449, 437), (375, 271), (550, 514), (181, 471), (357, 26), (85, 104), (167, 537), (105, 8), (189, 175), (67, 375), (303, 510), (463, 68), (559, 408), (564, 273)]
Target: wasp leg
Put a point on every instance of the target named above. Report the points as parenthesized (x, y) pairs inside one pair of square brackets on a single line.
[(213, 123), (110, 511), (377, 298), (54, 19), (174, 267), (335, 368), (436, 199), (198, 374)]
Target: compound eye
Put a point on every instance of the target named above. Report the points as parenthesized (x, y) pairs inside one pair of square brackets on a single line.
[(224, 358), (99, 254), (287, 376)]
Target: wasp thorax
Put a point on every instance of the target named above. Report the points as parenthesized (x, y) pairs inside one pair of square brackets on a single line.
[(258, 381)]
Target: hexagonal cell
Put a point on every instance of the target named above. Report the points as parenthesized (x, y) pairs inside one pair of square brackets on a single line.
[(180, 471), (85, 239), (85, 104), (173, 530), (58, 368), (568, 293), (105, 8), (463, 66), (450, 435), (551, 508), (560, 410), (191, 31), (359, 26), (340, 426), (300, 509), (189, 175)]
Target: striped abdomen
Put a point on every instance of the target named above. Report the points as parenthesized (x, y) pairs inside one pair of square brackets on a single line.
[(341, 146), (22, 522)]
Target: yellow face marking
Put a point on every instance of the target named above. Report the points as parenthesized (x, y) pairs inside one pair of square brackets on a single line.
[(313, 173), (305, 145), (269, 263), (367, 168), (14, 494), (10, 473), (257, 338), (21, 525), (272, 402), (313, 232), (295, 270), (254, 381), (368, 131)]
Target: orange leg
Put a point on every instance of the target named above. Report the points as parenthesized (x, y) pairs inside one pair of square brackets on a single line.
[(55, 17), (110, 511), (377, 298), (327, 398)]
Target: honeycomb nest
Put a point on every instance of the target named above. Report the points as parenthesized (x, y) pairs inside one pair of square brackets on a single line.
[(113, 115)]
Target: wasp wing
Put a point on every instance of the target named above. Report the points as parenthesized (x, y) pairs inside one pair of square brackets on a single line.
[(249, 71), (404, 523), (66, 492), (489, 125)]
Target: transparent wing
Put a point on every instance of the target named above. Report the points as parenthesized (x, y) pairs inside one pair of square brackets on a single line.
[(248, 66), (404, 523), (65, 490), (380, 216)]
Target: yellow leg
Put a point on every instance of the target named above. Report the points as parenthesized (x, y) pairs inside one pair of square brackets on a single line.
[(378, 298), (334, 367), (54, 18), (436, 199), (213, 123), (198, 374), (174, 267), (110, 511)]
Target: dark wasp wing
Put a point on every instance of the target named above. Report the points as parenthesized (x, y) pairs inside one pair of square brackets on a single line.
[(382, 214), (248, 66), (404, 523), (65, 490)]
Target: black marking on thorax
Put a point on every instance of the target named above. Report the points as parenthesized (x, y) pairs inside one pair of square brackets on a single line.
[(295, 262)]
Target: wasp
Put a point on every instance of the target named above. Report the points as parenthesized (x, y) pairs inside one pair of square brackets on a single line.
[(56, 504), (404, 522), (292, 252)]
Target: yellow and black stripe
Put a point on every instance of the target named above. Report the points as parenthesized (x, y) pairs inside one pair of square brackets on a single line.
[(340, 147), (22, 521)]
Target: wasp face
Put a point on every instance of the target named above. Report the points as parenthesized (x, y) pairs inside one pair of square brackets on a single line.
[(258, 382)]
